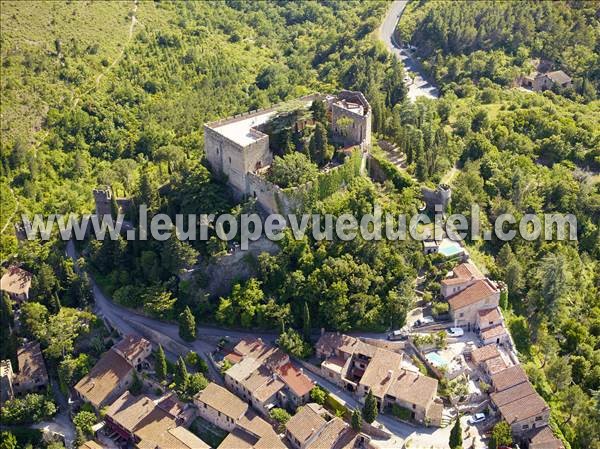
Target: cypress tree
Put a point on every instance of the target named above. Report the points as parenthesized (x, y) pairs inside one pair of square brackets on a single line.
[(356, 420), (160, 364), (187, 325), (456, 435), (181, 375), (306, 327), (370, 410)]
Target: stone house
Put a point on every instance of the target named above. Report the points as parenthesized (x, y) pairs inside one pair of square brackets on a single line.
[(265, 377), (461, 277), (150, 424), (32, 376), (466, 304), (521, 407), (113, 373), (220, 407), (539, 82), (312, 427)]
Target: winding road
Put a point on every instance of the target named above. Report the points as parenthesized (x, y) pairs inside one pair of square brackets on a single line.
[(419, 87)]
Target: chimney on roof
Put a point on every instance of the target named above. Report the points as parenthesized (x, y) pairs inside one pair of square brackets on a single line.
[(259, 340), (390, 373), (301, 371), (322, 331)]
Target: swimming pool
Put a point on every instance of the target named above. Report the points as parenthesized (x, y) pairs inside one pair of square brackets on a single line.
[(435, 359), (450, 248)]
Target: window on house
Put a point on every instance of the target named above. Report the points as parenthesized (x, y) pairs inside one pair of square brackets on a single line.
[(538, 418), (219, 413), (525, 426), (414, 406), (461, 315)]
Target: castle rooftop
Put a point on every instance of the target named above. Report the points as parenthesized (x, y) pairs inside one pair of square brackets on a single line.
[(241, 129)]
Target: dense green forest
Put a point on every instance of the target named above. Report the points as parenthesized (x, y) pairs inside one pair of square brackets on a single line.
[(528, 153), (108, 93)]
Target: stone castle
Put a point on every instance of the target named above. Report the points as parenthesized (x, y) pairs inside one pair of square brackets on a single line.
[(236, 147)]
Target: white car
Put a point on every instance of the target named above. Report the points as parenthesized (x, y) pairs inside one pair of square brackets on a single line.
[(455, 332), (477, 417), (424, 321), (397, 335)]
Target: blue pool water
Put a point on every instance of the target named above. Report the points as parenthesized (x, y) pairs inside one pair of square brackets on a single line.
[(436, 359), (449, 248)]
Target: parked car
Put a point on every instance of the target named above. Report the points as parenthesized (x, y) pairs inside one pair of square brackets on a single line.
[(424, 321), (455, 332), (476, 418), (397, 335)]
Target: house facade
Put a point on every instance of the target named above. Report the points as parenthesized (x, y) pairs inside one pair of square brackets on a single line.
[(464, 306)]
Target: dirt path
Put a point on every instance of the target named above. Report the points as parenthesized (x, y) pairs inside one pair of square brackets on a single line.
[(103, 73)]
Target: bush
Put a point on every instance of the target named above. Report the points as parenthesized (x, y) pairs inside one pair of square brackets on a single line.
[(292, 170), (281, 416), (292, 343), (401, 412), (32, 408), (318, 395)]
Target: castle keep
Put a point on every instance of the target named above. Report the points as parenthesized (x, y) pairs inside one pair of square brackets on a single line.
[(237, 148)]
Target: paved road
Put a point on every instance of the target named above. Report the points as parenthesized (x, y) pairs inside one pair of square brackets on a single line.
[(420, 87)]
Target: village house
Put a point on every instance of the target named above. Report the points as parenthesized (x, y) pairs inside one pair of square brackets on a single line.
[(32, 376), (220, 407), (542, 438), (312, 427), (150, 424), (539, 82), (252, 432), (362, 368), (461, 277), (16, 282), (521, 407), (466, 304), (265, 377), (113, 373)]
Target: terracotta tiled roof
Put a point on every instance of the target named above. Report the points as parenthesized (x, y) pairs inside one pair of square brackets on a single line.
[(493, 332), (103, 378), (222, 400), (474, 293), (158, 430), (463, 273), (365, 349), (233, 357), (524, 408), (129, 410), (381, 371), (487, 315), (331, 341), (331, 433), (131, 347), (31, 363), (268, 389), (295, 379), (495, 365), (509, 378), (512, 394), (306, 422), (543, 438), (484, 353), (16, 281), (414, 388), (559, 77)]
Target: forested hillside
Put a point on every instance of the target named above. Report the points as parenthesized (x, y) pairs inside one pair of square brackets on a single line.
[(462, 40), (521, 152), (78, 113)]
